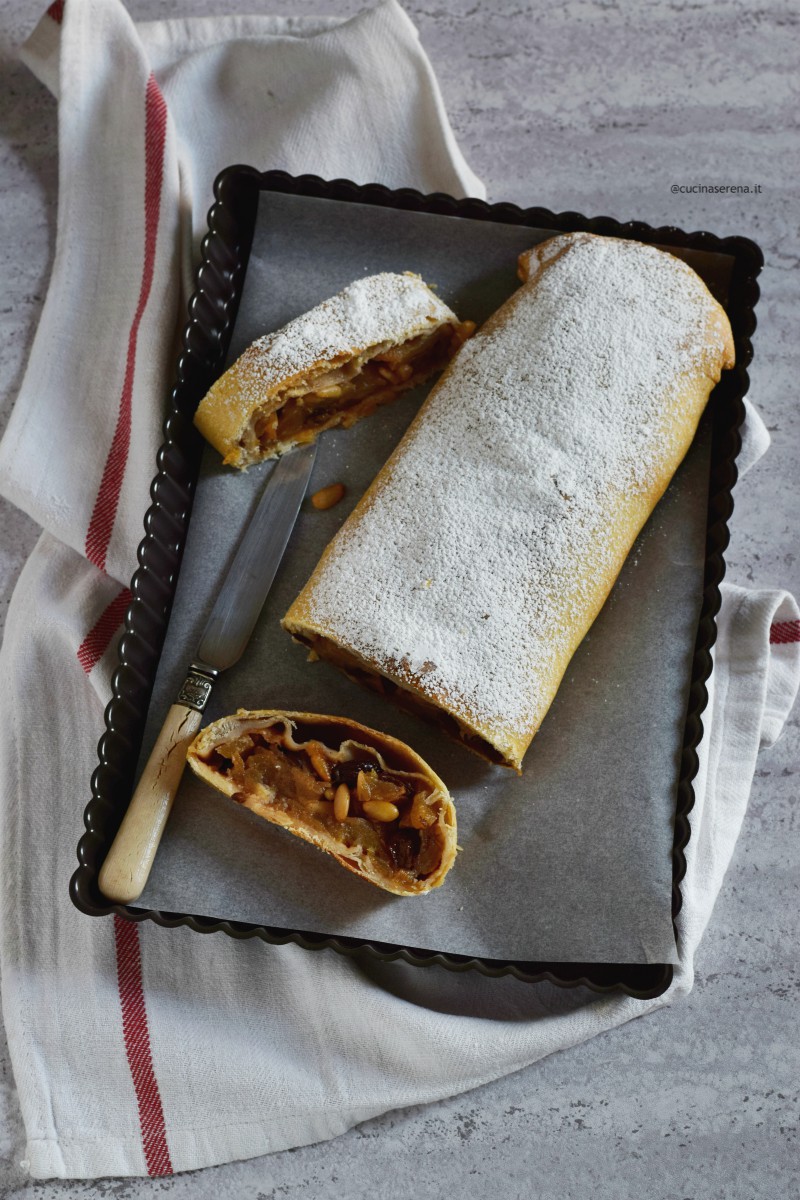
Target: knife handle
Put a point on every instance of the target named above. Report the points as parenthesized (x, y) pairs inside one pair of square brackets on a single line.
[(127, 866)]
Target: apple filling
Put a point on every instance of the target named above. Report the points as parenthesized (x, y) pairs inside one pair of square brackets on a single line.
[(348, 794), (350, 390)]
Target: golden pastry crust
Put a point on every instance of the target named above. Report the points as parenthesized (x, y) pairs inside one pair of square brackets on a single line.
[(331, 366), (472, 568), (362, 796)]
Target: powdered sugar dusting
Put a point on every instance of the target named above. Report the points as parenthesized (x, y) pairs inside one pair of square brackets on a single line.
[(377, 309), (463, 575)]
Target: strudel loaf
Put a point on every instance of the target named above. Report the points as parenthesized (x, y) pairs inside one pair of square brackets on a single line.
[(358, 794), (474, 565), (330, 366)]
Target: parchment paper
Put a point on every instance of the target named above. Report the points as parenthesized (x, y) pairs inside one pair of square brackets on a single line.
[(570, 862)]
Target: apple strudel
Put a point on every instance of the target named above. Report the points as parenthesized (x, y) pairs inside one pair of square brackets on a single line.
[(362, 796), (478, 559), (331, 366)]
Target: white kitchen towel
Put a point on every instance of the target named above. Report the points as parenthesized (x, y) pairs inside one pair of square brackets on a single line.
[(138, 1049), (148, 116)]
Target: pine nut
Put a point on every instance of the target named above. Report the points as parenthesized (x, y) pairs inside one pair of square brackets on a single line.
[(381, 810), (329, 393), (341, 802), (328, 496), (362, 788), (318, 762)]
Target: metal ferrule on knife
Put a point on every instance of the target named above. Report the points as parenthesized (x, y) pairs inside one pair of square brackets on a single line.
[(197, 685)]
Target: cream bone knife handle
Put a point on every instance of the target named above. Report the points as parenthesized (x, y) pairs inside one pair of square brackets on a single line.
[(127, 866)]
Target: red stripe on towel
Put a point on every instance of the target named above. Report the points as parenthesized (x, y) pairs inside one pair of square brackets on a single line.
[(56, 11), (784, 631), (137, 1047), (97, 640), (104, 514)]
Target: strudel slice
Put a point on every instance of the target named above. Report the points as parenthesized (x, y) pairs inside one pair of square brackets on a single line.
[(474, 565), (360, 795), (331, 366)]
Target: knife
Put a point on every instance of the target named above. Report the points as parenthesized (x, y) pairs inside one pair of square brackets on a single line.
[(238, 605)]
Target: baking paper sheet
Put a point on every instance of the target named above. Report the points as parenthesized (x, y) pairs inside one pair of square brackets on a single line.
[(572, 861)]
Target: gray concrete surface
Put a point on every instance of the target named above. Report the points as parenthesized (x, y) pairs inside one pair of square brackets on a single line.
[(598, 106)]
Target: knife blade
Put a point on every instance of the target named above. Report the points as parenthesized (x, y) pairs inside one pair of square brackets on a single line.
[(253, 569), (236, 610)]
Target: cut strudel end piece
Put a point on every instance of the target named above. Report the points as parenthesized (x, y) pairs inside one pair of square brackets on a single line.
[(362, 796), (331, 366), (474, 565)]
